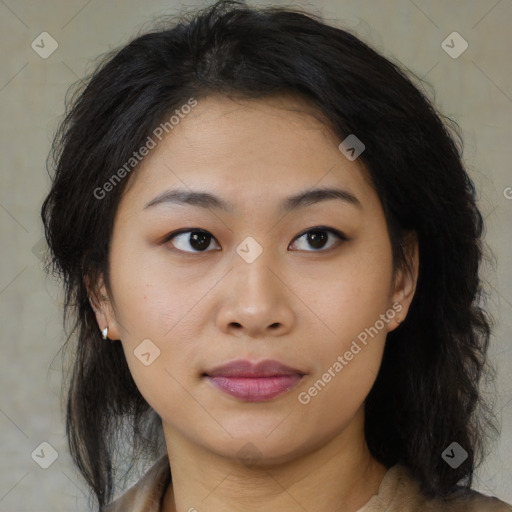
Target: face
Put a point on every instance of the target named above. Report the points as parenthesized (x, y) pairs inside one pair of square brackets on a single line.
[(307, 283)]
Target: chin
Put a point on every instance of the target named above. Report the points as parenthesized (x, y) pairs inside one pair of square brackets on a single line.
[(255, 448)]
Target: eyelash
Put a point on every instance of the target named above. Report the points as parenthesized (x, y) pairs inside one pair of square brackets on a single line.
[(341, 237)]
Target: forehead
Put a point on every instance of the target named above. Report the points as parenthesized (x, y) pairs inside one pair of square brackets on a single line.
[(248, 151)]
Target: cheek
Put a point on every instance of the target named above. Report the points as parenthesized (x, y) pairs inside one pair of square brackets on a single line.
[(156, 310), (150, 296), (355, 310), (356, 291), (156, 341), (346, 366)]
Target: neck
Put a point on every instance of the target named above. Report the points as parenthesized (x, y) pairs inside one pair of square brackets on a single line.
[(340, 475)]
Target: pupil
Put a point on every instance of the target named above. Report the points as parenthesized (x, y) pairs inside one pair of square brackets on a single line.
[(199, 240), (317, 239)]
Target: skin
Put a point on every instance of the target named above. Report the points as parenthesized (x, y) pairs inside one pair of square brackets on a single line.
[(298, 303)]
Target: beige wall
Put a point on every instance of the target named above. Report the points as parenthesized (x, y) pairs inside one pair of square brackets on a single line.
[(474, 89)]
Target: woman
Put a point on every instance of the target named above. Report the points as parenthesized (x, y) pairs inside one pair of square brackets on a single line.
[(271, 249)]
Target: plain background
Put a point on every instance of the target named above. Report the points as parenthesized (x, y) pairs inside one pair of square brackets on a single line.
[(474, 89)]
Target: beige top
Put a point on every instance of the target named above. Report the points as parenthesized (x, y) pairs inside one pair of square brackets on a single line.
[(398, 492)]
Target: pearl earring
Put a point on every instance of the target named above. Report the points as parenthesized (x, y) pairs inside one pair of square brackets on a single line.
[(104, 333)]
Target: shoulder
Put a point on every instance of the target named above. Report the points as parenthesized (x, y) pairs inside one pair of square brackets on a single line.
[(145, 495), (408, 498), (472, 501)]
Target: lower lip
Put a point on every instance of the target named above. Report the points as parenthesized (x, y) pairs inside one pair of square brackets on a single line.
[(255, 389)]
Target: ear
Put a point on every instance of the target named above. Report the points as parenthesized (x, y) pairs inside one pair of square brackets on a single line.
[(102, 307), (405, 281)]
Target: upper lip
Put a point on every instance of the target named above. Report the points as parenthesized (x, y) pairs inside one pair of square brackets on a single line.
[(246, 368)]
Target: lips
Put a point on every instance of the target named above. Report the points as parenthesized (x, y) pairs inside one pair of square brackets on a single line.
[(245, 368), (252, 382)]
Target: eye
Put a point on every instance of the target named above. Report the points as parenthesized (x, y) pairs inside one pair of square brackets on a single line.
[(317, 237), (198, 239)]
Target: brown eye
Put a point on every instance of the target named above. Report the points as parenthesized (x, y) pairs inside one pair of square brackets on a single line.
[(318, 238), (198, 240)]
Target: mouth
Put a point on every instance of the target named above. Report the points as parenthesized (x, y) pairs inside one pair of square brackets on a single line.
[(252, 382)]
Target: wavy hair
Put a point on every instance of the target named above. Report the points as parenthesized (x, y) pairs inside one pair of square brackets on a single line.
[(426, 394)]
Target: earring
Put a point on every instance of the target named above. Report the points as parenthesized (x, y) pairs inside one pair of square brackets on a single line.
[(104, 333)]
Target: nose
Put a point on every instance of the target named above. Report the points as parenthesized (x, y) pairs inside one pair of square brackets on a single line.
[(257, 302)]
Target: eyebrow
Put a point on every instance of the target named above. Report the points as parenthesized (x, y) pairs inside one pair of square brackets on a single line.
[(210, 201)]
